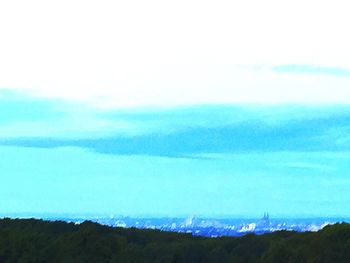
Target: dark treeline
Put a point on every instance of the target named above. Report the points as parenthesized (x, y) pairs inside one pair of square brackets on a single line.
[(30, 240)]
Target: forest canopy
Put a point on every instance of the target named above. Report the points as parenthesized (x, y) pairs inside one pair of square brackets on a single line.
[(32, 240)]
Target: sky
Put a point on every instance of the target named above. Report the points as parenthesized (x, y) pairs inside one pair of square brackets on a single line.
[(163, 108)]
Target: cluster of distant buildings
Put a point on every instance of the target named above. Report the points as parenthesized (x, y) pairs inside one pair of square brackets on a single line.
[(214, 227)]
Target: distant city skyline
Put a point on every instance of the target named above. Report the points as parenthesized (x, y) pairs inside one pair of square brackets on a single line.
[(180, 108)]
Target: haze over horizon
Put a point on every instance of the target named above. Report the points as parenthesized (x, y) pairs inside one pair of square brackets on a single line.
[(175, 108)]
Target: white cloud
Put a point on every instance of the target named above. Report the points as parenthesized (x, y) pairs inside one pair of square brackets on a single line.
[(161, 53), (65, 128)]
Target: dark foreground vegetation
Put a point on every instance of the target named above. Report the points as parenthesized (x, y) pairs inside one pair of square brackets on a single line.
[(41, 241)]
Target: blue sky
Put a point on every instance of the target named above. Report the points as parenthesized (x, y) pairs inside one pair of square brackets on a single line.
[(209, 160), (158, 108)]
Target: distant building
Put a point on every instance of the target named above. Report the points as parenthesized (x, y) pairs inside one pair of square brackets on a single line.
[(265, 220), (266, 217)]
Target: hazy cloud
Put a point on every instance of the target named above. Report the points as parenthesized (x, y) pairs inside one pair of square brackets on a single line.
[(311, 69)]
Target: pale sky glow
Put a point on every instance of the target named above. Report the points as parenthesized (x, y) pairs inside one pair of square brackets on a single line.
[(174, 108), (162, 53)]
